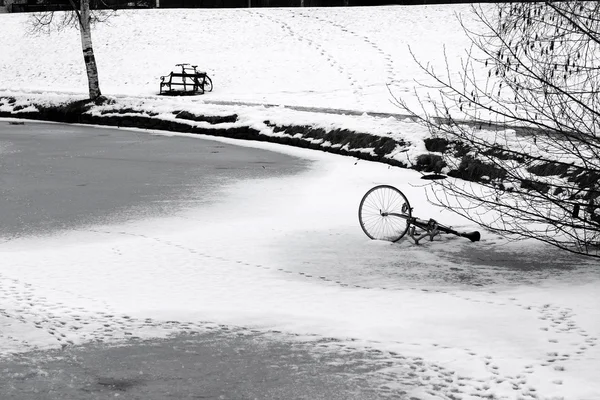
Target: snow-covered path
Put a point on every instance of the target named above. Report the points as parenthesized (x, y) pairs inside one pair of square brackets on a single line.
[(287, 255)]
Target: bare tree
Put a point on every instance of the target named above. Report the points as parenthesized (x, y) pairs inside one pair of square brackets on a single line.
[(83, 17), (522, 120)]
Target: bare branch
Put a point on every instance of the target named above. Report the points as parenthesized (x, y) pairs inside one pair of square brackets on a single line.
[(520, 128)]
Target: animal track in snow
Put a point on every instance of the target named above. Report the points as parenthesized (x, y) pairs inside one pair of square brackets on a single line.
[(559, 320), (67, 326), (331, 60), (388, 60)]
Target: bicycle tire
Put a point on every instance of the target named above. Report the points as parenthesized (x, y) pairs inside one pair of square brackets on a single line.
[(384, 199), (207, 84)]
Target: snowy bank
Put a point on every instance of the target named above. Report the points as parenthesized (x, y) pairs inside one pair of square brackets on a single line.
[(390, 140)]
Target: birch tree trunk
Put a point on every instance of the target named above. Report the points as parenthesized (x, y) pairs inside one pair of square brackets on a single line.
[(88, 51)]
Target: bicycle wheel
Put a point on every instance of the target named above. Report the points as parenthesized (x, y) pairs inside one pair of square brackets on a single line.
[(207, 84), (375, 209)]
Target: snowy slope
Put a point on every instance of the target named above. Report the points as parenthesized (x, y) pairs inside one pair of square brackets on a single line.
[(331, 57)]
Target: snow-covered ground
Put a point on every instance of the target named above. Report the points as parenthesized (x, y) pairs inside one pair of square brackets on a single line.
[(316, 57), (287, 254)]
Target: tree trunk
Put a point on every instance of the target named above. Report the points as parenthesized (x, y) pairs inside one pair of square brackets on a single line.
[(88, 51)]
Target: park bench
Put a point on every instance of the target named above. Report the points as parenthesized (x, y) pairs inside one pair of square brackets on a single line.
[(189, 81)]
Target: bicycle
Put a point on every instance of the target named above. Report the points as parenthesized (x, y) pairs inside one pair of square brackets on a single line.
[(192, 81), (384, 213), (205, 83)]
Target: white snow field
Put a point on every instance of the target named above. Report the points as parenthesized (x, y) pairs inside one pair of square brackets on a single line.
[(459, 320), (340, 58)]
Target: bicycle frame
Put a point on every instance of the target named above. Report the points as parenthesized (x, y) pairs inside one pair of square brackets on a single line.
[(198, 78), (431, 228)]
